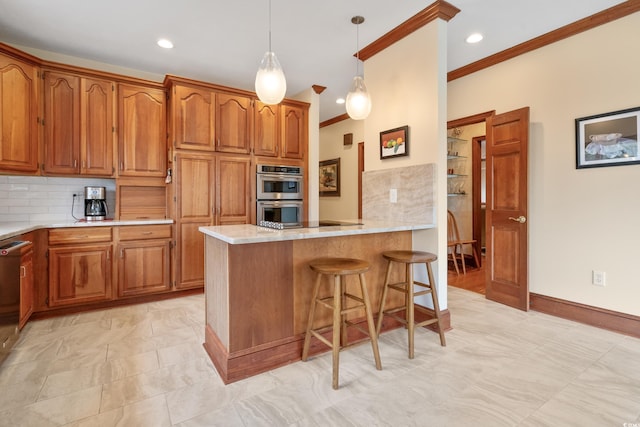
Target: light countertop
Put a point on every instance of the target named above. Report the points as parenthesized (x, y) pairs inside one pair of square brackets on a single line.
[(247, 233), (12, 229)]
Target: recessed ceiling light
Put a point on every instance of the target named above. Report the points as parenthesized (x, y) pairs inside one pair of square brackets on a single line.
[(340, 101), (167, 44), (474, 38)]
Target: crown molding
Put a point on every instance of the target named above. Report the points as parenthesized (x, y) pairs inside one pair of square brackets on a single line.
[(608, 15), (440, 9)]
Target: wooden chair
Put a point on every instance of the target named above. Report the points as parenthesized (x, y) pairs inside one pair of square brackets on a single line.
[(456, 245)]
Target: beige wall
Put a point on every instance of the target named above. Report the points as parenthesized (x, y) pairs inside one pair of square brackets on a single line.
[(331, 147), (408, 87), (579, 219)]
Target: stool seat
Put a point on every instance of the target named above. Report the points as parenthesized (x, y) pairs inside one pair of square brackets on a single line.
[(338, 269), (410, 257), (341, 266), (407, 287)]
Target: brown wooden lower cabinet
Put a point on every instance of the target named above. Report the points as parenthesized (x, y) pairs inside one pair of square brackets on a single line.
[(143, 267), (79, 274), (100, 264), (190, 255), (26, 287)]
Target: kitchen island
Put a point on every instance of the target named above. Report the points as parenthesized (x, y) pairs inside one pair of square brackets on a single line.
[(258, 287)]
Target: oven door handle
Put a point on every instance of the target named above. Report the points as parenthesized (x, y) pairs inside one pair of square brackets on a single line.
[(280, 177)]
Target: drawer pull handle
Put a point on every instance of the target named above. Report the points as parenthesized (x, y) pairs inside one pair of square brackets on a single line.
[(147, 233)]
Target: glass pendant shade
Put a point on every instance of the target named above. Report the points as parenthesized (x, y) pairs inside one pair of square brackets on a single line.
[(358, 100), (271, 84)]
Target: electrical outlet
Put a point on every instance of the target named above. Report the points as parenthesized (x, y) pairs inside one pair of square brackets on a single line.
[(393, 195), (598, 278)]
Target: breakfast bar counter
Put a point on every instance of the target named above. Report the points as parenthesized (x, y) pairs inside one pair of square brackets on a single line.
[(258, 286)]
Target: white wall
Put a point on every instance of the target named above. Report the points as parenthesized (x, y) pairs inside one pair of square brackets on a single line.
[(579, 219), (344, 206), (46, 200)]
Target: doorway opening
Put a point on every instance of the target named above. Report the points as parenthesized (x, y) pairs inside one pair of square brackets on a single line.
[(466, 182)]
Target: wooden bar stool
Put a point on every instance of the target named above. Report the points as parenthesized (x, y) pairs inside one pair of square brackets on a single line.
[(408, 258), (339, 267)]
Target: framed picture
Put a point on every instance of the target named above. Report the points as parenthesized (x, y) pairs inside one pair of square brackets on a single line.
[(609, 139), (394, 142), (330, 177)]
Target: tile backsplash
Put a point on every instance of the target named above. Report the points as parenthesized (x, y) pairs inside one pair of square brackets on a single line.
[(48, 199), (414, 188)]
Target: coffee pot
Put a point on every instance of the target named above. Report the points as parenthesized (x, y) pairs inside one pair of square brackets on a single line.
[(95, 203)]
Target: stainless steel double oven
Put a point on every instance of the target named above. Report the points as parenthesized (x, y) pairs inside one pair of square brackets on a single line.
[(279, 194)]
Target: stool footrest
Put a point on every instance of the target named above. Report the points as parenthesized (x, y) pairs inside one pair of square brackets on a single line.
[(396, 317), (317, 334), (426, 322), (357, 326)]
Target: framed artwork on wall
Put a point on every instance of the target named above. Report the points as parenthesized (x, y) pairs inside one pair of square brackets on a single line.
[(330, 177), (609, 139), (394, 142)]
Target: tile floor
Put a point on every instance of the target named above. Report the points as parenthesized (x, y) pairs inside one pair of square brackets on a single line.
[(144, 365)]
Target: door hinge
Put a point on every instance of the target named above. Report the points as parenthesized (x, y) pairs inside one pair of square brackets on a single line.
[(46, 301), (113, 87), (113, 129)]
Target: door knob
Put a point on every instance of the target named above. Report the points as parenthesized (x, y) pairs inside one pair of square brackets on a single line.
[(521, 219)]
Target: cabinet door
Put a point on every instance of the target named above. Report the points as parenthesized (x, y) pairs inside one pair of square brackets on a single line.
[(233, 190), (97, 127), (233, 123), (266, 139), (141, 131), (294, 132), (195, 189), (193, 112), (189, 262), (26, 287), (18, 116), (61, 123), (79, 274), (143, 267)]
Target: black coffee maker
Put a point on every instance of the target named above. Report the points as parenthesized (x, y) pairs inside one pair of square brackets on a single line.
[(95, 203)]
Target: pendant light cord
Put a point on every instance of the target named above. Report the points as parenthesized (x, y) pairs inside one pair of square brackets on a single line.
[(357, 48), (357, 20), (270, 26)]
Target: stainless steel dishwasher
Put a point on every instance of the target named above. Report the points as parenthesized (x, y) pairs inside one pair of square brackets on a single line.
[(10, 274)]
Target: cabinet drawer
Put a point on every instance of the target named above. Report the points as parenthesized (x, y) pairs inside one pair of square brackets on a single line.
[(62, 236), (141, 232)]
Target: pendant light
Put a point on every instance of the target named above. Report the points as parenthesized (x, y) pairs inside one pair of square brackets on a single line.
[(358, 99), (270, 81)]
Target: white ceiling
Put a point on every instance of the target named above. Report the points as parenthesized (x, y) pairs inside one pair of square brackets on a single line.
[(223, 41)]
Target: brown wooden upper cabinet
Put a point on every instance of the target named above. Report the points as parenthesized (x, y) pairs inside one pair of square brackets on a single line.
[(18, 116), (193, 118), (266, 130), (141, 131), (79, 124), (233, 123), (294, 131)]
